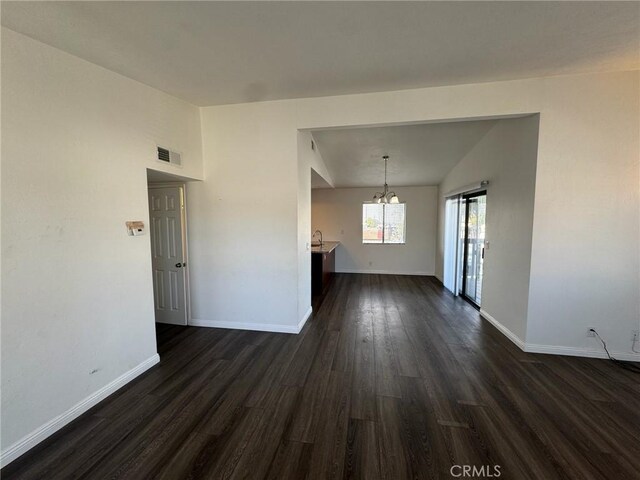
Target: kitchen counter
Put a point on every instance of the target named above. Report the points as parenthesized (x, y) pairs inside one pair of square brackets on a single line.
[(326, 247)]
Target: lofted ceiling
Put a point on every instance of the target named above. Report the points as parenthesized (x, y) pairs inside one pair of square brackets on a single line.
[(420, 154), (212, 53), (317, 181)]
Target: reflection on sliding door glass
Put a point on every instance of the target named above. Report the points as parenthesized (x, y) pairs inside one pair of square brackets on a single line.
[(451, 244), (462, 229), (474, 246)]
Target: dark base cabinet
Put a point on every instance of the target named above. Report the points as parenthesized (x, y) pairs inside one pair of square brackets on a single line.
[(322, 267)]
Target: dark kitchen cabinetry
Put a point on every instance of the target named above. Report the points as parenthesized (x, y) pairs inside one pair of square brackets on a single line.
[(323, 265)]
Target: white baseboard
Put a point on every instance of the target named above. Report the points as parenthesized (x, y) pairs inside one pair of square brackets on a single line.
[(504, 330), (388, 272), (39, 434), (304, 319), (258, 327), (556, 349), (579, 352)]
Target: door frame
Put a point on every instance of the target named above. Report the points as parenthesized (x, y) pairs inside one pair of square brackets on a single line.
[(185, 244), (465, 198)]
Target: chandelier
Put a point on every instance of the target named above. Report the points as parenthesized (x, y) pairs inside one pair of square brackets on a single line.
[(385, 196)]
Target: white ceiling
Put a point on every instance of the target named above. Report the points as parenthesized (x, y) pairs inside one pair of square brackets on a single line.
[(213, 53), (419, 154)]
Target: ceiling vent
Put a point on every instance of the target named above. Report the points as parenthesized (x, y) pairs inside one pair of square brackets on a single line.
[(167, 156)]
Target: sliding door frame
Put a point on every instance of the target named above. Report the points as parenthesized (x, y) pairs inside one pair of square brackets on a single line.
[(465, 199)]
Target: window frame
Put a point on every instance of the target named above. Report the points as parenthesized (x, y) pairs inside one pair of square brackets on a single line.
[(384, 205)]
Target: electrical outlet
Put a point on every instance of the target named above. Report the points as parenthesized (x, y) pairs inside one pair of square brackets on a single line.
[(590, 332), (635, 334)]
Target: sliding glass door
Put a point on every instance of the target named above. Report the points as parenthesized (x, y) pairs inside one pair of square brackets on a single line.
[(473, 236), (450, 274)]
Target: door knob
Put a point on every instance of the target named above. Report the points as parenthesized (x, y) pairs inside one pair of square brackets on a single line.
[(178, 265)]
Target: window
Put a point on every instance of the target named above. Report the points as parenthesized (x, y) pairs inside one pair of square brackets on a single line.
[(383, 223)]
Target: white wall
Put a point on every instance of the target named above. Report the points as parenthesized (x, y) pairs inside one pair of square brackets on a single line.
[(338, 214), (587, 155), (305, 159), (506, 156), (243, 223), (77, 308), (585, 269)]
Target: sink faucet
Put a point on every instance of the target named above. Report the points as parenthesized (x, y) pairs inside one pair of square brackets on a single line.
[(320, 233)]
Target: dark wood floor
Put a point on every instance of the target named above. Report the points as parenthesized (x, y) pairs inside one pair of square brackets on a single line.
[(391, 378)]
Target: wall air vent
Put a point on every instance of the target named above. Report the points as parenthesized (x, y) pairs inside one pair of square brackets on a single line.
[(167, 156)]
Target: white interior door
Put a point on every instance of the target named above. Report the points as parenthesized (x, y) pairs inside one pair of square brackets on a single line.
[(166, 209)]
